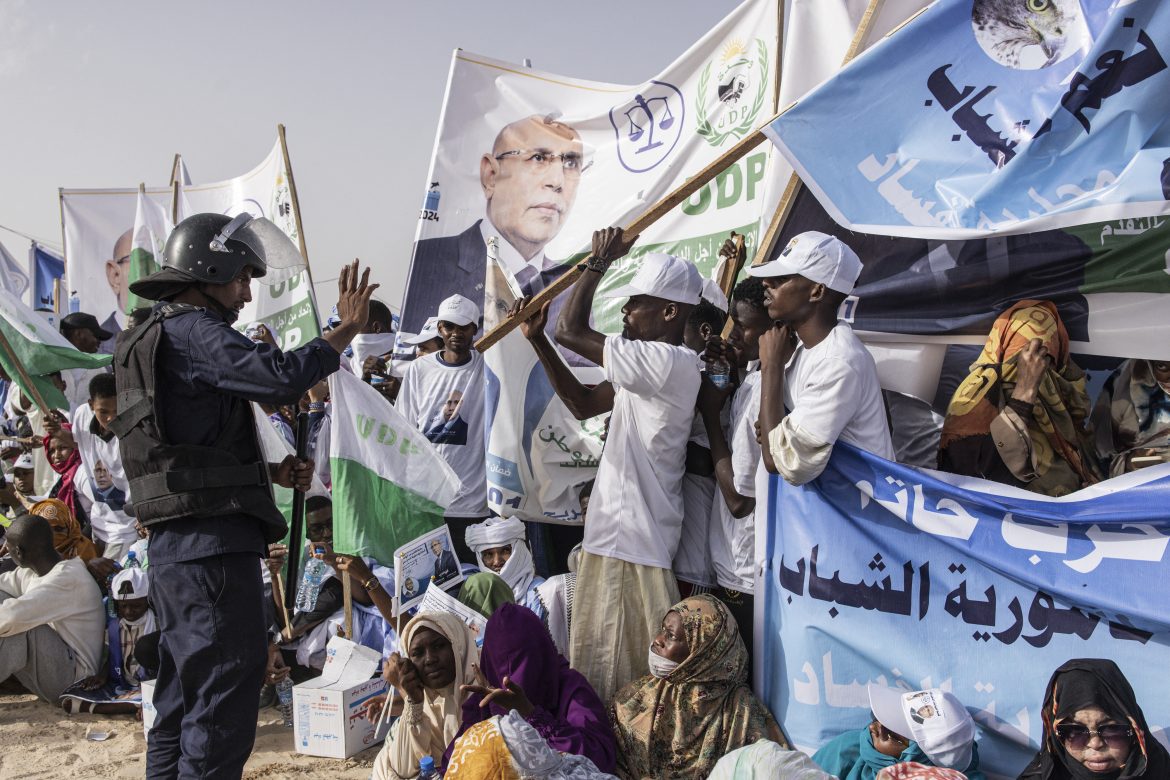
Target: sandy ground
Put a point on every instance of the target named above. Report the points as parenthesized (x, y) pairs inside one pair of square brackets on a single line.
[(40, 741)]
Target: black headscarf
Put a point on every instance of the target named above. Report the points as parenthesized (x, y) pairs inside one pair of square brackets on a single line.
[(1088, 682)]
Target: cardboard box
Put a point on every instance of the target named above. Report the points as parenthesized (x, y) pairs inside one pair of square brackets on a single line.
[(326, 711)]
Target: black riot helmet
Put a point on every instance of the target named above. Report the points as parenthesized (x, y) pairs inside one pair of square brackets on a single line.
[(205, 247), (213, 249)]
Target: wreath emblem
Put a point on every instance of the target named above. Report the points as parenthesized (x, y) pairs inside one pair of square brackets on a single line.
[(731, 85)]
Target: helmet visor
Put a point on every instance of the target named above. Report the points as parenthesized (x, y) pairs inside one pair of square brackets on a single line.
[(280, 254)]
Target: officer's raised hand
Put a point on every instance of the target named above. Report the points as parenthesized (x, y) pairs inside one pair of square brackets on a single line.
[(353, 305)]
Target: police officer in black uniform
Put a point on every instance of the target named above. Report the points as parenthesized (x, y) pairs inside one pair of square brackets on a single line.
[(186, 380)]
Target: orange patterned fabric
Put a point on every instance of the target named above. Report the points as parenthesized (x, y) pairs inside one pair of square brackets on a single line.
[(481, 754), (1062, 446)]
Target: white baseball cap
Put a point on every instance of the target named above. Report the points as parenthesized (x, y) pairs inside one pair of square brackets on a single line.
[(713, 293), (139, 586), (430, 331), (818, 257), (25, 461), (935, 719), (458, 311), (663, 276)]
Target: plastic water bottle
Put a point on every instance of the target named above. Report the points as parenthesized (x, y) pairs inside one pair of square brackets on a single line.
[(132, 561), (719, 372), (310, 585), (284, 700), (426, 767)]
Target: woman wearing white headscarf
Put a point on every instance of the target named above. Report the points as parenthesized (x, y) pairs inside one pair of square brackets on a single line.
[(500, 547), (441, 658)]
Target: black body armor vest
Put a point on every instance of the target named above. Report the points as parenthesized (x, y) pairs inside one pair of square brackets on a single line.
[(169, 481)]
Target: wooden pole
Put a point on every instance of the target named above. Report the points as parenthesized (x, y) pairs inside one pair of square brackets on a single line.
[(347, 602), (788, 197), (20, 370), (633, 230), (296, 204), (283, 606), (57, 297), (64, 245)]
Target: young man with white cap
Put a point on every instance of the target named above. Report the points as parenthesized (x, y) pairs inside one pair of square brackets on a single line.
[(428, 339), (625, 583), (812, 363), (929, 727), (442, 396)]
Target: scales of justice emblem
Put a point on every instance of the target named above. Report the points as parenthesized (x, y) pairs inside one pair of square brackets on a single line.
[(649, 126)]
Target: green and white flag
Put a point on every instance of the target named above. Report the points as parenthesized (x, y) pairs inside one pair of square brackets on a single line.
[(40, 349), (152, 225), (390, 485)]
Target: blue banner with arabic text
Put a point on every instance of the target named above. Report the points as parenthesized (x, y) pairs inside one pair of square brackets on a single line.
[(877, 572), (989, 116)]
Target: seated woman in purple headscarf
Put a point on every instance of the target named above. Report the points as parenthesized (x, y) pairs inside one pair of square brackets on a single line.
[(520, 669)]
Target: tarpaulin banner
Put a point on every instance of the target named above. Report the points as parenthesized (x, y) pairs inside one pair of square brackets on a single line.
[(99, 234), (47, 267), (877, 572), (994, 117), (539, 161), (1109, 281)]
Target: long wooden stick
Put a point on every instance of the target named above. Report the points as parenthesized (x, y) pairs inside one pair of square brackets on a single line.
[(64, 248), (634, 229), (296, 204), (788, 197), (347, 602), (279, 590), (38, 399)]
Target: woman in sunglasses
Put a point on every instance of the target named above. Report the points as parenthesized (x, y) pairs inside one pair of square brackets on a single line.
[(1094, 728)]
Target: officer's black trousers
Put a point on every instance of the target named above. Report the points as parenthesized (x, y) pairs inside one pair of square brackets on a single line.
[(213, 655)]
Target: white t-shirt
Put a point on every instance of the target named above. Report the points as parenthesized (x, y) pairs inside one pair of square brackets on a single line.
[(636, 509), (105, 483), (445, 402), (733, 539), (833, 393)]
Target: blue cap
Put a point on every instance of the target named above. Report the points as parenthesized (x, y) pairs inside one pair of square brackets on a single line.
[(426, 764)]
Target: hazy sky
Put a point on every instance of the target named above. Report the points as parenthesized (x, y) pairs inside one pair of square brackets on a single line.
[(103, 94)]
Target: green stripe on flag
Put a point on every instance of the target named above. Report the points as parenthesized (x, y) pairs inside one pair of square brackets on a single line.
[(40, 349), (373, 516)]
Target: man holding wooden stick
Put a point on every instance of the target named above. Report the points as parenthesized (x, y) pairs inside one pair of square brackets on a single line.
[(624, 580)]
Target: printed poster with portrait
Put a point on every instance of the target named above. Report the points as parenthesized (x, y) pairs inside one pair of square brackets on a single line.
[(426, 562), (535, 162), (99, 233)]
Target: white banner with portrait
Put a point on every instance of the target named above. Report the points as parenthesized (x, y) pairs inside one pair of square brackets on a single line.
[(99, 226), (541, 161), (99, 236)]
